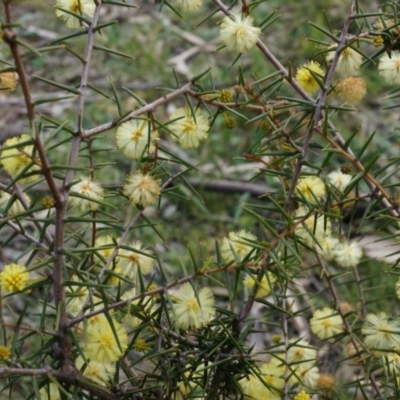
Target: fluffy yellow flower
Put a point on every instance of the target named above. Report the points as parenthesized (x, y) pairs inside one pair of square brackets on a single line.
[(389, 68), (306, 79), (238, 33), (137, 258), (339, 180), (349, 60), (348, 254), (80, 7), (8, 82), (5, 353), (313, 229), (310, 188), (187, 130), (75, 296), (91, 190), (326, 247), (105, 245), (326, 323), (16, 206), (235, 247), (138, 310), (303, 395), (14, 278), (188, 5), (104, 343), (98, 372), (264, 287), (351, 89), (136, 137), (193, 310), (381, 332), (268, 388), (301, 355), (142, 189), (16, 158)]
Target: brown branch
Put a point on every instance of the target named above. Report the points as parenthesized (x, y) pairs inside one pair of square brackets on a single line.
[(145, 109)]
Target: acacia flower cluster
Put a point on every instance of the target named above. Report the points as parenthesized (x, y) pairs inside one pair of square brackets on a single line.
[(309, 75), (264, 286), (98, 372), (105, 340), (8, 82), (192, 310), (11, 205), (14, 278), (326, 323), (136, 259), (189, 129), (87, 194), (349, 60), (237, 246), (17, 158), (188, 5), (67, 8), (310, 189), (339, 180), (238, 33), (5, 353), (382, 333), (266, 384), (313, 229), (389, 67), (142, 189), (136, 138)]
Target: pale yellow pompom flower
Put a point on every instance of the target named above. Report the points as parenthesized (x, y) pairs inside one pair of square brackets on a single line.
[(142, 189), (105, 245), (326, 323), (348, 254), (306, 79), (381, 333), (349, 60), (306, 377), (301, 355), (187, 130), (192, 310), (91, 190), (310, 188), (313, 229), (137, 258), (389, 67), (104, 343), (98, 372), (135, 138), (188, 5), (351, 90), (8, 82), (264, 287), (303, 395), (5, 353), (238, 245), (14, 278), (75, 296), (80, 7), (16, 207), (18, 158), (326, 247), (238, 33), (339, 180)]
